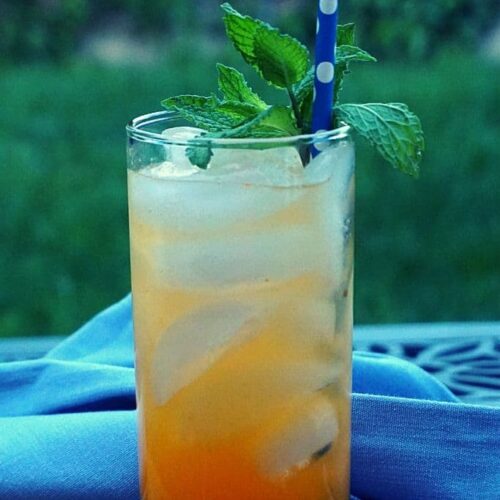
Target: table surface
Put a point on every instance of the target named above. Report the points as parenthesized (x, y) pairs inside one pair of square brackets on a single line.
[(464, 356)]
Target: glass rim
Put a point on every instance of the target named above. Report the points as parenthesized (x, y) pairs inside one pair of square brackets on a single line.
[(134, 130)]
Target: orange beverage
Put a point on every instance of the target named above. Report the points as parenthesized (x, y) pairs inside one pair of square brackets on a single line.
[(242, 301)]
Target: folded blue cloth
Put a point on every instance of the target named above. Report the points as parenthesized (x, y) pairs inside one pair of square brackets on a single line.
[(68, 425)]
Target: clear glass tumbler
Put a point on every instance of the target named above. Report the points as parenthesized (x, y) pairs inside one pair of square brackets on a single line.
[(242, 305)]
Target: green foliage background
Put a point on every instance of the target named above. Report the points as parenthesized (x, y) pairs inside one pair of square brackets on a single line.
[(52, 29), (426, 250)]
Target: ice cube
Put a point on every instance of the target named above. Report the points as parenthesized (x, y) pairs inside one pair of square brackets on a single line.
[(242, 394), (306, 436), (189, 203), (307, 325), (278, 167), (248, 259), (168, 170), (336, 161), (239, 185), (335, 164), (334, 169), (266, 167), (314, 315), (196, 341)]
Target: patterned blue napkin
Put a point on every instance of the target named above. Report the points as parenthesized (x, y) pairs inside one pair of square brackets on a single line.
[(68, 426)]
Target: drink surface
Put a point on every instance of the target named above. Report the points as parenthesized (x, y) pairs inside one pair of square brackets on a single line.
[(242, 296)]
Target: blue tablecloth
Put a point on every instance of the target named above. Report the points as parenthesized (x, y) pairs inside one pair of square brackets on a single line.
[(68, 426)]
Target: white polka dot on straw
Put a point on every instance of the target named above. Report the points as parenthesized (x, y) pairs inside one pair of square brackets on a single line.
[(321, 145), (328, 6), (325, 72)]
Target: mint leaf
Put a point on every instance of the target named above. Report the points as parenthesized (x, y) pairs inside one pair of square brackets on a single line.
[(278, 119), (241, 31), (275, 121), (237, 111), (234, 87), (391, 128), (209, 113), (281, 59), (195, 109), (346, 34), (199, 155), (350, 53), (305, 86)]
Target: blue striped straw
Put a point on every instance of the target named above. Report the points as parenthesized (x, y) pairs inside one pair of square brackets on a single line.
[(326, 35)]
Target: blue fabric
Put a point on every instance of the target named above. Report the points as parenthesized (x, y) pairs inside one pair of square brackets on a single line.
[(68, 426)]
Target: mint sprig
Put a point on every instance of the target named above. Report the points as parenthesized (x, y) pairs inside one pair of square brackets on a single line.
[(284, 62)]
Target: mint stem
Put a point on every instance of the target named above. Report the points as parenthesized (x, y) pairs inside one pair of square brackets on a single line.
[(303, 151), (304, 154), (296, 109)]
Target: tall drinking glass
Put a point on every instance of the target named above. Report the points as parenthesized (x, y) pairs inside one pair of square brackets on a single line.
[(242, 304)]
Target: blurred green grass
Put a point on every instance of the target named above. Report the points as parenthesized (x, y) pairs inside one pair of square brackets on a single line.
[(426, 250)]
